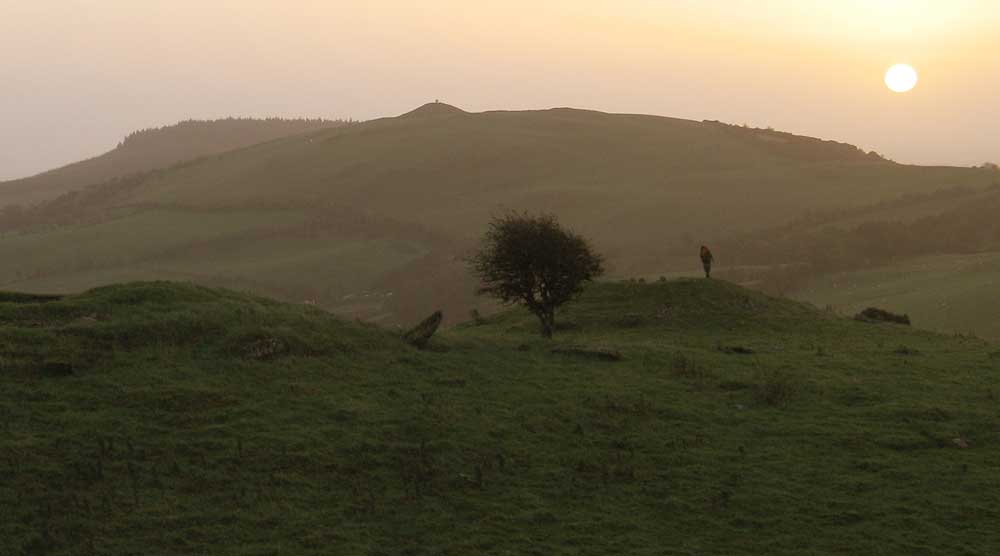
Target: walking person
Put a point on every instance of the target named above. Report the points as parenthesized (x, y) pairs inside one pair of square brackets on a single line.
[(706, 260)]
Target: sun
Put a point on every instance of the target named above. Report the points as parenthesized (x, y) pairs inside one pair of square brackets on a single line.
[(901, 78)]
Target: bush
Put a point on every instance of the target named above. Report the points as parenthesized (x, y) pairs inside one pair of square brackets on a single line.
[(874, 314)]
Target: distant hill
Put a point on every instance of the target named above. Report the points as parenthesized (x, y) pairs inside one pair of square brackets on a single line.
[(935, 257), (955, 221), (162, 418), (374, 219), (150, 149)]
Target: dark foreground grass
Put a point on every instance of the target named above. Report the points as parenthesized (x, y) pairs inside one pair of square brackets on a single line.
[(173, 419)]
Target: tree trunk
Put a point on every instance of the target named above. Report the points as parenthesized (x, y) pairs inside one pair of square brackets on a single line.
[(548, 319)]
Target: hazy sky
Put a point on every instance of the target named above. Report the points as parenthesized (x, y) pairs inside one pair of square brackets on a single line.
[(78, 75)]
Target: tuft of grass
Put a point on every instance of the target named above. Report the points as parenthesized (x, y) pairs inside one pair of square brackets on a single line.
[(777, 388), (590, 352), (685, 366)]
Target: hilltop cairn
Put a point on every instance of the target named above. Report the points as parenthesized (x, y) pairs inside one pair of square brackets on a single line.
[(420, 335)]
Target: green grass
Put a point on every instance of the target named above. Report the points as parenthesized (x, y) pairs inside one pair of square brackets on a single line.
[(948, 293), (174, 419)]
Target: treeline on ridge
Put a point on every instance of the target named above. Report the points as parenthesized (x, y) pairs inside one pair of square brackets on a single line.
[(225, 130), (156, 148)]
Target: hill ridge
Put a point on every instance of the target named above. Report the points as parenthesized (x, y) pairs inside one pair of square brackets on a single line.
[(152, 149), (434, 109)]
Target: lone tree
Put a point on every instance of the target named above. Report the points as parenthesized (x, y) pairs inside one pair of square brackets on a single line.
[(534, 261)]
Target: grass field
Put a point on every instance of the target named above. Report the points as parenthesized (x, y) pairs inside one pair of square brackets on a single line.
[(949, 293), (272, 252), (126, 240), (173, 419)]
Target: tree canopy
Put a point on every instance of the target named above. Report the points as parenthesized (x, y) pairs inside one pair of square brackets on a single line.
[(534, 261)]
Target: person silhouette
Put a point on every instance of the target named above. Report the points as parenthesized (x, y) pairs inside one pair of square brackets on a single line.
[(706, 260)]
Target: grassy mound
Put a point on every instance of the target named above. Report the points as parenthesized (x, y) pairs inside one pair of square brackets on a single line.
[(162, 321), (205, 421)]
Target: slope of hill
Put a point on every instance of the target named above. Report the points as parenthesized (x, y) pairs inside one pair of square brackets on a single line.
[(949, 221), (948, 292), (931, 256), (150, 149), (404, 199), (174, 419), (445, 169)]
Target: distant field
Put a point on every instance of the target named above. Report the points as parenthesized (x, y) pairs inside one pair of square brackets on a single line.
[(125, 240), (953, 293), (261, 251)]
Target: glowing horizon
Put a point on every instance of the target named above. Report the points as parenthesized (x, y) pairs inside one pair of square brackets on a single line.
[(81, 75)]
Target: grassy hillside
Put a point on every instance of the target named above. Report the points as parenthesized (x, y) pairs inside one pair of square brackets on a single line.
[(932, 256), (948, 221), (324, 256), (416, 191), (620, 175), (954, 293), (174, 419), (150, 149)]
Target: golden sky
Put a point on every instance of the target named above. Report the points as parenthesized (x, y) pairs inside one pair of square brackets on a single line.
[(77, 75)]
